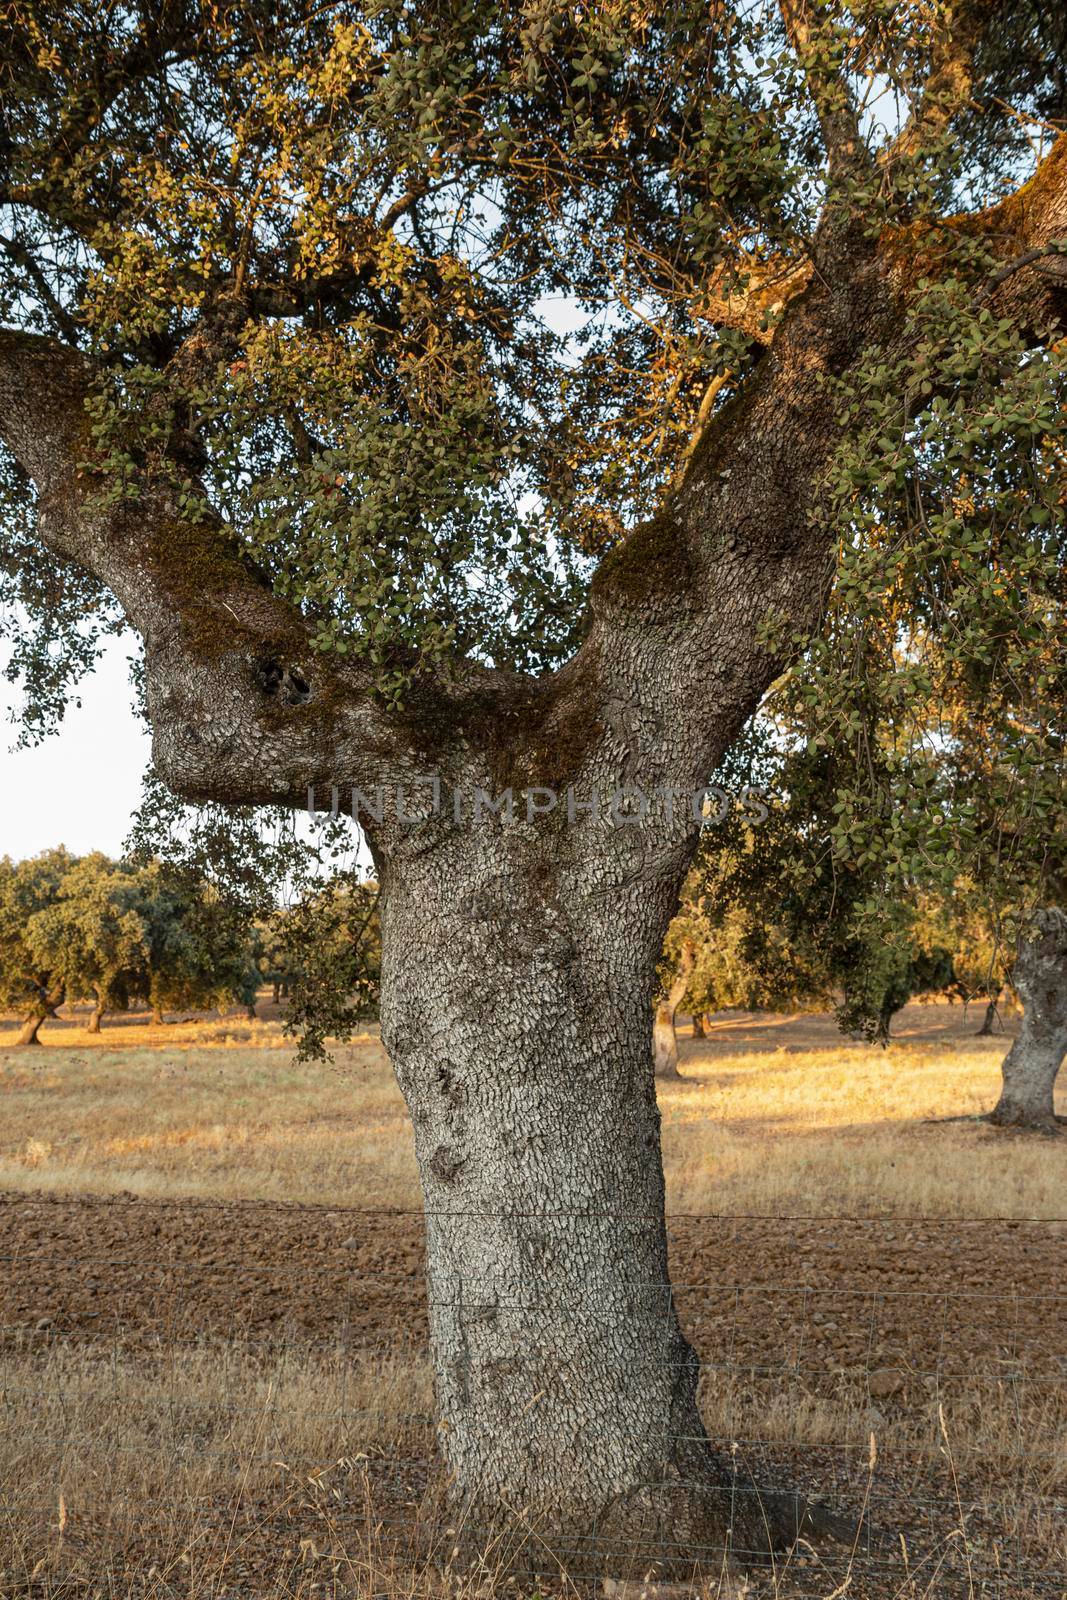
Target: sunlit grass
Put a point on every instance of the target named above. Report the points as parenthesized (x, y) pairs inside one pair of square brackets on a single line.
[(771, 1115)]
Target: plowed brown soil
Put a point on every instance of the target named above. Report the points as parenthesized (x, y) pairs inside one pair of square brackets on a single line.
[(787, 1295)]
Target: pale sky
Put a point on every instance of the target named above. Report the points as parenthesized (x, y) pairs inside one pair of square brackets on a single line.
[(82, 785)]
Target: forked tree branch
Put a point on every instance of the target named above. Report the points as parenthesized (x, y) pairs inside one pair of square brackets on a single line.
[(243, 709), (950, 81)]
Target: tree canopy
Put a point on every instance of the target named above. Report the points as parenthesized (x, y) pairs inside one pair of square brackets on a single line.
[(317, 254)]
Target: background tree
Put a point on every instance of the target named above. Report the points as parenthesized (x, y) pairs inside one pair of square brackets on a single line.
[(722, 952), (924, 730), (201, 947), (93, 934), (680, 955), (329, 945), (981, 960), (30, 979), (279, 371), (274, 957)]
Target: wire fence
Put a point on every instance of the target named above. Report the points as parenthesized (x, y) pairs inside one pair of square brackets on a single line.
[(204, 1400)]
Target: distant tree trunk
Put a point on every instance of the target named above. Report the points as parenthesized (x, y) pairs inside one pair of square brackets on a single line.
[(277, 992), (1029, 1072), (699, 1031), (986, 1030), (45, 1007), (664, 1038), (158, 1017), (250, 1011), (28, 1032), (96, 1016)]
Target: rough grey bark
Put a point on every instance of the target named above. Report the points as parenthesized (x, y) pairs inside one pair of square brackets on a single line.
[(664, 1037), (1027, 1096), (514, 1007)]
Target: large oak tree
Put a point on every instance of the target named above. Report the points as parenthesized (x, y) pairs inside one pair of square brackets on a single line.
[(451, 389)]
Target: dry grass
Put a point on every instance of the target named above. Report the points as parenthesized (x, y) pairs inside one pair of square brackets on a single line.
[(772, 1116), (853, 1129), (207, 1120), (209, 1473)]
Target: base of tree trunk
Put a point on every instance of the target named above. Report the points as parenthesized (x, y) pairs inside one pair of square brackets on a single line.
[(27, 1034), (704, 1521), (1030, 1068), (1024, 1120), (986, 1030)]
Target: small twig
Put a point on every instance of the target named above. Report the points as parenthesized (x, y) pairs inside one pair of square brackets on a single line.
[(1054, 248)]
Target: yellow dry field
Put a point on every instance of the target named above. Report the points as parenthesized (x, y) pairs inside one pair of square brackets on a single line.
[(772, 1115)]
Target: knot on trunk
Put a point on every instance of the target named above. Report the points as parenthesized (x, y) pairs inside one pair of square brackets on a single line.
[(447, 1162), (280, 681)]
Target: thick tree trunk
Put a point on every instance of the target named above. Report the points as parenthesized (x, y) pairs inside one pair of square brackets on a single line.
[(699, 1030), (250, 1012), (986, 1030), (1031, 1065), (664, 1038), (158, 1018), (28, 1032), (95, 1017), (566, 1390)]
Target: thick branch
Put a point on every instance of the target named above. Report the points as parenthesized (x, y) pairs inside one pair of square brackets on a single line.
[(950, 81), (680, 606), (753, 304), (242, 709), (1028, 230)]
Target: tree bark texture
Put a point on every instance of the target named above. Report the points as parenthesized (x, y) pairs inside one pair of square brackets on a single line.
[(515, 1009), (1027, 1096), (664, 1037)]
